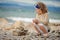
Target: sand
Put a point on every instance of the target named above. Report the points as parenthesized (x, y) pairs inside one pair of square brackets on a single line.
[(24, 31)]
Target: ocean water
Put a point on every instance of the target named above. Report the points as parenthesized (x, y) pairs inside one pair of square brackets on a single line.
[(26, 13), (17, 12)]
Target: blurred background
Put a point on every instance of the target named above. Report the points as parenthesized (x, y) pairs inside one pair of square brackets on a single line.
[(13, 9)]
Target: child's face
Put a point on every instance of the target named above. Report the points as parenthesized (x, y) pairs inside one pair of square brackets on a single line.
[(39, 11)]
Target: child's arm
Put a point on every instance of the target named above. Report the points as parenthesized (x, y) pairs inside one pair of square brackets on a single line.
[(35, 21), (46, 21)]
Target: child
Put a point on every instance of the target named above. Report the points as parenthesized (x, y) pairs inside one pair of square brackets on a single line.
[(41, 19)]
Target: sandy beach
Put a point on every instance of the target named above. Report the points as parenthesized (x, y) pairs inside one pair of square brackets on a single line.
[(21, 30)]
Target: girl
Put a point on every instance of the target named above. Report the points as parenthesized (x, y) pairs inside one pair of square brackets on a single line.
[(41, 21)]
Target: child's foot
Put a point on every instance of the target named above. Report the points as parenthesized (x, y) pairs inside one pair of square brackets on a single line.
[(45, 35)]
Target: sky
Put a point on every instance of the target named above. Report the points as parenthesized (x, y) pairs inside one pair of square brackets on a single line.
[(55, 3)]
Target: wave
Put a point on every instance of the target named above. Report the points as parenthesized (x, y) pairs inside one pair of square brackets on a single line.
[(22, 19), (30, 19)]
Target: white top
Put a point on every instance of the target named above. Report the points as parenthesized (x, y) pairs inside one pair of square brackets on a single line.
[(42, 18)]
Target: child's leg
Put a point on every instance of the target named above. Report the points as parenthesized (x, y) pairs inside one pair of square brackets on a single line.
[(37, 31), (43, 29), (40, 29)]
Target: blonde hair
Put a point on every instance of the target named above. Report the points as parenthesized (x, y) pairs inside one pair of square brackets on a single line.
[(42, 7)]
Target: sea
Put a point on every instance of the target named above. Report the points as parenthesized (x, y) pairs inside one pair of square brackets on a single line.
[(14, 12)]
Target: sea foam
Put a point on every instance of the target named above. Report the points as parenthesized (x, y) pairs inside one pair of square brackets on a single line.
[(30, 19)]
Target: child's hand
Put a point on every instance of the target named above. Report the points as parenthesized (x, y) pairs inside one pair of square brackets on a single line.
[(35, 21)]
